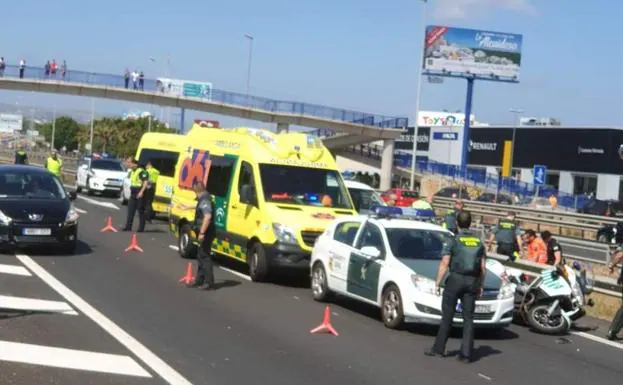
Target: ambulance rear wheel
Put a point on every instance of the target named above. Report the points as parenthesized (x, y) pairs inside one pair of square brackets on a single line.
[(258, 266)]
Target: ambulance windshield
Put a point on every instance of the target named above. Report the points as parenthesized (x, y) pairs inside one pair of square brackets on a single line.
[(304, 186)]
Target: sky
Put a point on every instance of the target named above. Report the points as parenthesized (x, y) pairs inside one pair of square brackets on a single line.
[(355, 54)]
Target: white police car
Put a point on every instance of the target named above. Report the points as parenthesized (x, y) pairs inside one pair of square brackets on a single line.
[(391, 260)]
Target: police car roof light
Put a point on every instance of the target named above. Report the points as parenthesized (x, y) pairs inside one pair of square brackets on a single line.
[(401, 212)]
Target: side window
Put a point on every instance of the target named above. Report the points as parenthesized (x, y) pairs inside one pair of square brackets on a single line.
[(371, 236), (246, 176), (164, 161), (219, 178), (345, 232)]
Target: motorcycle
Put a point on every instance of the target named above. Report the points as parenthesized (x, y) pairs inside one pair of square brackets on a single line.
[(550, 302)]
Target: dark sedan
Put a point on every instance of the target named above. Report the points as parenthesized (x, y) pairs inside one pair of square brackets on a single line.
[(35, 209)]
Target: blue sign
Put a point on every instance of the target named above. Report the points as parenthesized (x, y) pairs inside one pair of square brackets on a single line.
[(539, 173), (445, 135)]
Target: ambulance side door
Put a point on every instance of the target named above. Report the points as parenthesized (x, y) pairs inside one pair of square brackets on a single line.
[(244, 215)]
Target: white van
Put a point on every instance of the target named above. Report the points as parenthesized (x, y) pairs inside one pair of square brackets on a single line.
[(364, 196)]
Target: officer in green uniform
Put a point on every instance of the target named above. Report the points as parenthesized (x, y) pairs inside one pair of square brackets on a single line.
[(21, 157), (139, 179), (205, 230), (465, 258), (449, 220), (151, 190), (507, 236)]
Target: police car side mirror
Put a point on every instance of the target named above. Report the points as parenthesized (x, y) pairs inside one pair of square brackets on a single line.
[(371, 251)]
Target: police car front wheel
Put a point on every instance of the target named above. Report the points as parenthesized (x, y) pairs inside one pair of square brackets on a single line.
[(391, 308)]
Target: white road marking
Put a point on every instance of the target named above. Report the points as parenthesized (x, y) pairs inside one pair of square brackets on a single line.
[(81, 211), (99, 203), (601, 340), (234, 272), (14, 270), (33, 304), (485, 377), (70, 359), (139, 350)]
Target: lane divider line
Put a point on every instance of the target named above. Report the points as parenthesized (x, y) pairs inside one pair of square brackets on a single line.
[(154, 362), (34, 304), (230, 271), (14, 270), (99, 203), (601, 340), (70, 359), (81, 211)]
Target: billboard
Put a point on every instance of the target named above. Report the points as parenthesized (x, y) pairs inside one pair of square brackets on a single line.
[(469, 52), (486, 145), (443, 119), (10, 123), (184, 88), (405, 141)]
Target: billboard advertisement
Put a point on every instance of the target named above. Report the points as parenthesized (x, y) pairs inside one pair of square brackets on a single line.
[(405, 141), (10, 123), (443, 119), (184, 88), (462, 52), (486, 145)]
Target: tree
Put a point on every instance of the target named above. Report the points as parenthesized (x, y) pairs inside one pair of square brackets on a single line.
[(65, 132)]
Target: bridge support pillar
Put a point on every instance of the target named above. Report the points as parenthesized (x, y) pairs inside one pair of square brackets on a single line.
[(387, 163), (283, 127)]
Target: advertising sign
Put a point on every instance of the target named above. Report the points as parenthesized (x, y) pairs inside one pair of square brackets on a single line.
[(461, 52), (442, 119), (10, 123), (184, 88), (170, 87), (486, 145), (405, 141)]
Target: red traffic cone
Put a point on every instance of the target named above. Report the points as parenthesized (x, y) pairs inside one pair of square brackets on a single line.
[(134, 244), (326, 324), (188, 277), (109, 226)]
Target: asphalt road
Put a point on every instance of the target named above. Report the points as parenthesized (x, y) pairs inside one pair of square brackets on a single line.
[(153, 330)]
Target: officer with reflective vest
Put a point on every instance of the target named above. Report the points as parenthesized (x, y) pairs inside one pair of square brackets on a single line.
[(139, 180), (449, 221), (21, 157), (54, 164), (507, 236), (464, 256), (150, 193)]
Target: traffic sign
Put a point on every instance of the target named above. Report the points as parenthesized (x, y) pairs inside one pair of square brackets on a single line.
[(539, 172)]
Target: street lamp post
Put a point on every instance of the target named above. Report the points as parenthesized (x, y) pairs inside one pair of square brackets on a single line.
[(53, 126), (418, 93), (515, 112), (92, 122), (251, 39)]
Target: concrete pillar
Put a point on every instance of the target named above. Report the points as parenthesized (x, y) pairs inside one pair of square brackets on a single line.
[(387, 164), (283, 127)]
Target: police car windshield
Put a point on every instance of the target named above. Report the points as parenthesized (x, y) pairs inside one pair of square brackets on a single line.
[(303, 186), (109, 165), (30, 186), (365, 199), (418, 244)]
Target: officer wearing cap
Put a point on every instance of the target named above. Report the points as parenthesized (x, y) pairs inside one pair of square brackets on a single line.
[(507, 236), (205, 230), (449, 220), (465, 259), (139, 179), (554, 250), (617, 321)]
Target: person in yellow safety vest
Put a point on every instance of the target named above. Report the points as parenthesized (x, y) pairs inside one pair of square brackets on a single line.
[(54, 164), (139, 179), (421, 204), (151, 190)]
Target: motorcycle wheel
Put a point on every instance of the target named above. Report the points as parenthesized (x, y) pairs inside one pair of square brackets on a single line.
[(541, 323)]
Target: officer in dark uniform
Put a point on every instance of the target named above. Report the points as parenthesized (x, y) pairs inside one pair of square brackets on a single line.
[(554, 250), (617, 321), (139, 180), (205, 231), (449, 220), (507, 236), (21, 157), (465, 258)]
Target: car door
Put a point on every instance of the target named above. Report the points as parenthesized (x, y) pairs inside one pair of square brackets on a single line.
[(338, 252), (244, 210), (363, 270)]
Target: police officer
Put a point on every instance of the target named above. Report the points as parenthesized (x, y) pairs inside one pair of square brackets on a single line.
[(507, 236), (465, 258), (54, 164), (151, 190), (21, 157), (205, 231), (554, 250), (449, 220), (139, 179), (617, 321)]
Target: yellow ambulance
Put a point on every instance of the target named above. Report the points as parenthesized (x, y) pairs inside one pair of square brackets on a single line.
[(163, 151), (273, 195)]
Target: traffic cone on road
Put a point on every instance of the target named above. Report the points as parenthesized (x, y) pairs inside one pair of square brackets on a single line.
[(109, 226), (188, 277), (326, 324), (134, 244)]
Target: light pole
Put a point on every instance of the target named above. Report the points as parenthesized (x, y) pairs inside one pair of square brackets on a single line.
[(53, 126), (418, 94), (251, 39), (516, 112), (91, 130)]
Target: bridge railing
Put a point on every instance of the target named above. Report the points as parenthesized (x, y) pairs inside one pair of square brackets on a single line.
[(219, 96)]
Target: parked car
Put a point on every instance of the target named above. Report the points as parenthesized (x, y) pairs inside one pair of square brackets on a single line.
[(612, 234), (607, 208), (502, 199), (100, 175), (404, 198), (450, 192), (364, 196)]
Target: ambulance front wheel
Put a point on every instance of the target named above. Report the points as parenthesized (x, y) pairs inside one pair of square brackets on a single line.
[(258, 266)]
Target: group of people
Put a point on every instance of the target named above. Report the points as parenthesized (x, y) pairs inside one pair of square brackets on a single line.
[(143, 181), (51, 69), (53, 163), (137, 78)]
